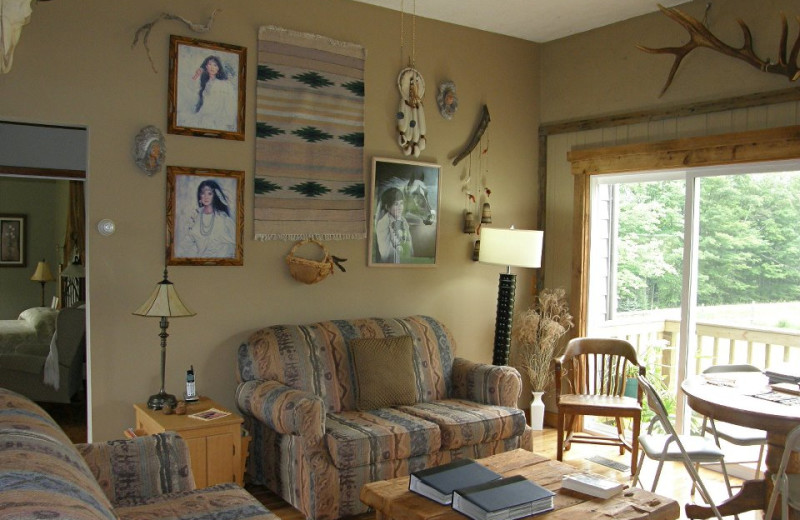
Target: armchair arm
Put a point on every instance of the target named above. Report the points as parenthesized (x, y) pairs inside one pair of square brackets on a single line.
[(132, 470), (486, 384), (285, 410)]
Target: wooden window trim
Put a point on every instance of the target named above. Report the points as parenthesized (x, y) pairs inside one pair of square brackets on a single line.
[(774, 144)]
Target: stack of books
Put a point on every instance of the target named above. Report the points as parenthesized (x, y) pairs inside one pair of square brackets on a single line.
[(480, 493), (593, 485), (503, 499), (783, 374), (439, 482)]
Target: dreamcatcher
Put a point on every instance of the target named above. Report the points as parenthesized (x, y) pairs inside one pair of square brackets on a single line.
[(410, 83)]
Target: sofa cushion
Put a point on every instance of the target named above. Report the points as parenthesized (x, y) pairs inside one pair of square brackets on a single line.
[(130, 470), (361, 438), (221, 501), (384, 372), (464, 423)]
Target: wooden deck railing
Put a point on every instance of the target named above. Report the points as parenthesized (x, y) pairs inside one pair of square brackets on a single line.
[(656, 340)]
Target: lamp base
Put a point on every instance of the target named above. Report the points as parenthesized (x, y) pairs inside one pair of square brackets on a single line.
[(157, 401), (505, 315)]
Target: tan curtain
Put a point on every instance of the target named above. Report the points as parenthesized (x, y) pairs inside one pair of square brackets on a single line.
[(76, 225)]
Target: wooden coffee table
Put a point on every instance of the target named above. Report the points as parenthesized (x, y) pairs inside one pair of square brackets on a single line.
[(391, 499)]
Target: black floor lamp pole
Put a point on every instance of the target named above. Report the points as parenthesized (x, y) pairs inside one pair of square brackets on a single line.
[(505, 316)]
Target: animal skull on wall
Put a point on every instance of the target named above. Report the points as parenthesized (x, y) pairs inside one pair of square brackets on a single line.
[(14, 14)]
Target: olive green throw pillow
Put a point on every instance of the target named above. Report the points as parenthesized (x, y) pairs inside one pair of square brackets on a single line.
[(384, 370)]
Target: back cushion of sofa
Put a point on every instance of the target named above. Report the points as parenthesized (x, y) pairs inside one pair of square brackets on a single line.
[(43, 474), (317, 358)]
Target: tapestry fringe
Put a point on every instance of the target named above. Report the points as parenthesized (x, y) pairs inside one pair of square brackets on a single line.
[(303, 236)]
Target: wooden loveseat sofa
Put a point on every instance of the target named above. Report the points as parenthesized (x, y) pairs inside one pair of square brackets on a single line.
[(44, 475), (334, 405)]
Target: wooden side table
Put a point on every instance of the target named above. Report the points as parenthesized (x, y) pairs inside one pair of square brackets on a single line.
[(215, 446)]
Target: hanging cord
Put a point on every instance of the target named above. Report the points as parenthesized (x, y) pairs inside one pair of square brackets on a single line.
[(412, 59)]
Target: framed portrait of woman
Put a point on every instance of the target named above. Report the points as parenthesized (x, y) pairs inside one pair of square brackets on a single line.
[(205, 216), (404, 223), (206, 88)]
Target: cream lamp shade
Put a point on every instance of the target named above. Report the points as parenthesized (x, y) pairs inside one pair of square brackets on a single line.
[(511, 247), (42, 273), (164, 302), (74, 271)]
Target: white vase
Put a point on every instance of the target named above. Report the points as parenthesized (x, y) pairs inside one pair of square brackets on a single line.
[(537, 411)]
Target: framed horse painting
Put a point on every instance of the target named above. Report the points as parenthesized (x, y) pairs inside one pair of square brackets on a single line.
[(404, 223)]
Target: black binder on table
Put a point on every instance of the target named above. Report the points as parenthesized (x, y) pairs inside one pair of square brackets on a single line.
[(504, 499), (439, 482)]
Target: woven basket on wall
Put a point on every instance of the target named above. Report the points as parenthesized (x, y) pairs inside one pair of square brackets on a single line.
[(306, 270)]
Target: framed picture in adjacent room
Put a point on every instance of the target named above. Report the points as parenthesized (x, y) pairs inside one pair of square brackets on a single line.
[(205, 216), (206, 88), (13, 231), (404, 223)]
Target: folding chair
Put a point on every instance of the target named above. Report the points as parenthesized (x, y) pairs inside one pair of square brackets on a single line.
[(786, 485), (731, 433), (671, 447)]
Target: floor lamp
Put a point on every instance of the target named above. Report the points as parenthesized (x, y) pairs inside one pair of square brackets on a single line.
[(511, 248), (163, 303)]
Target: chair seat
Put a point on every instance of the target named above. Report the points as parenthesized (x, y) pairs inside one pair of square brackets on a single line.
[(699, 449), (740, 435), (610, 404)]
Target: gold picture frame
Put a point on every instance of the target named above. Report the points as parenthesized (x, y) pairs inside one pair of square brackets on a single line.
[(409, 238), (207, 83), (205, 216)]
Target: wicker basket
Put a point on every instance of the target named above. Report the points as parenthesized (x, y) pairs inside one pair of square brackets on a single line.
[(306, 270)]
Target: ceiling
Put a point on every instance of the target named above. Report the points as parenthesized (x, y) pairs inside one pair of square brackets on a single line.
[(533, 20)]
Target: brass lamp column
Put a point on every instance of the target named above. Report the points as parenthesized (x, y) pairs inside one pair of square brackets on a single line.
[(163, 303), (512, 248)]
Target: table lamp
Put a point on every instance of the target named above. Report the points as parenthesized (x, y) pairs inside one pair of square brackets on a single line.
[(74, 283), (42, 275), (511, 248), (163, 303)]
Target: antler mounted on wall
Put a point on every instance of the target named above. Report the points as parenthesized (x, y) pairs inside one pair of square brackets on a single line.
[(700, 36)]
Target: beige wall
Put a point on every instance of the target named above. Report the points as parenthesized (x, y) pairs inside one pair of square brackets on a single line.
[(74, 65), (43, 202), (601, 73)]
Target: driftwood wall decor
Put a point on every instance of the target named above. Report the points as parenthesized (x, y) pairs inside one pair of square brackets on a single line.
[(700, 36)]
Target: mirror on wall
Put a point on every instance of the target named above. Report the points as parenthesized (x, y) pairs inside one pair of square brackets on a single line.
[(42, 266)]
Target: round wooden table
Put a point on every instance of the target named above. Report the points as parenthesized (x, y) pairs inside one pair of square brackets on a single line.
[(731, 397)]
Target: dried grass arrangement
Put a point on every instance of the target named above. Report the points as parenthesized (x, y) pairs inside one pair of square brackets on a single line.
[(536, 334)]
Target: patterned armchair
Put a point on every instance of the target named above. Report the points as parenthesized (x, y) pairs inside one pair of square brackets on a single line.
[(315, 444)]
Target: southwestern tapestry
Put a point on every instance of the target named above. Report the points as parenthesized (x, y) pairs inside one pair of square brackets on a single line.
[(309, 175)]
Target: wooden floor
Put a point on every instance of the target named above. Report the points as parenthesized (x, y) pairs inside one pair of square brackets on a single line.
[(674, 481)]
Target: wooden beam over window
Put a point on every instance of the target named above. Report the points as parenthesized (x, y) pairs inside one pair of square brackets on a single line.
[(773, 144)]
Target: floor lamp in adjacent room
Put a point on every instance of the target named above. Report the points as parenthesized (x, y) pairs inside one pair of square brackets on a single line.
[(511, 248)]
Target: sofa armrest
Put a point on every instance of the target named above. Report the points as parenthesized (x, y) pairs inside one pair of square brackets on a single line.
[(486, 384), (137, 469), (284, 409)]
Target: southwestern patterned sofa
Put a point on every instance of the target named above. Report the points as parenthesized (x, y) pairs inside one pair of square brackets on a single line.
[(44, 475), (317, 401)]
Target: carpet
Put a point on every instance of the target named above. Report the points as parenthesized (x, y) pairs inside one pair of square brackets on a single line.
[(309, 171), (609, 463)]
